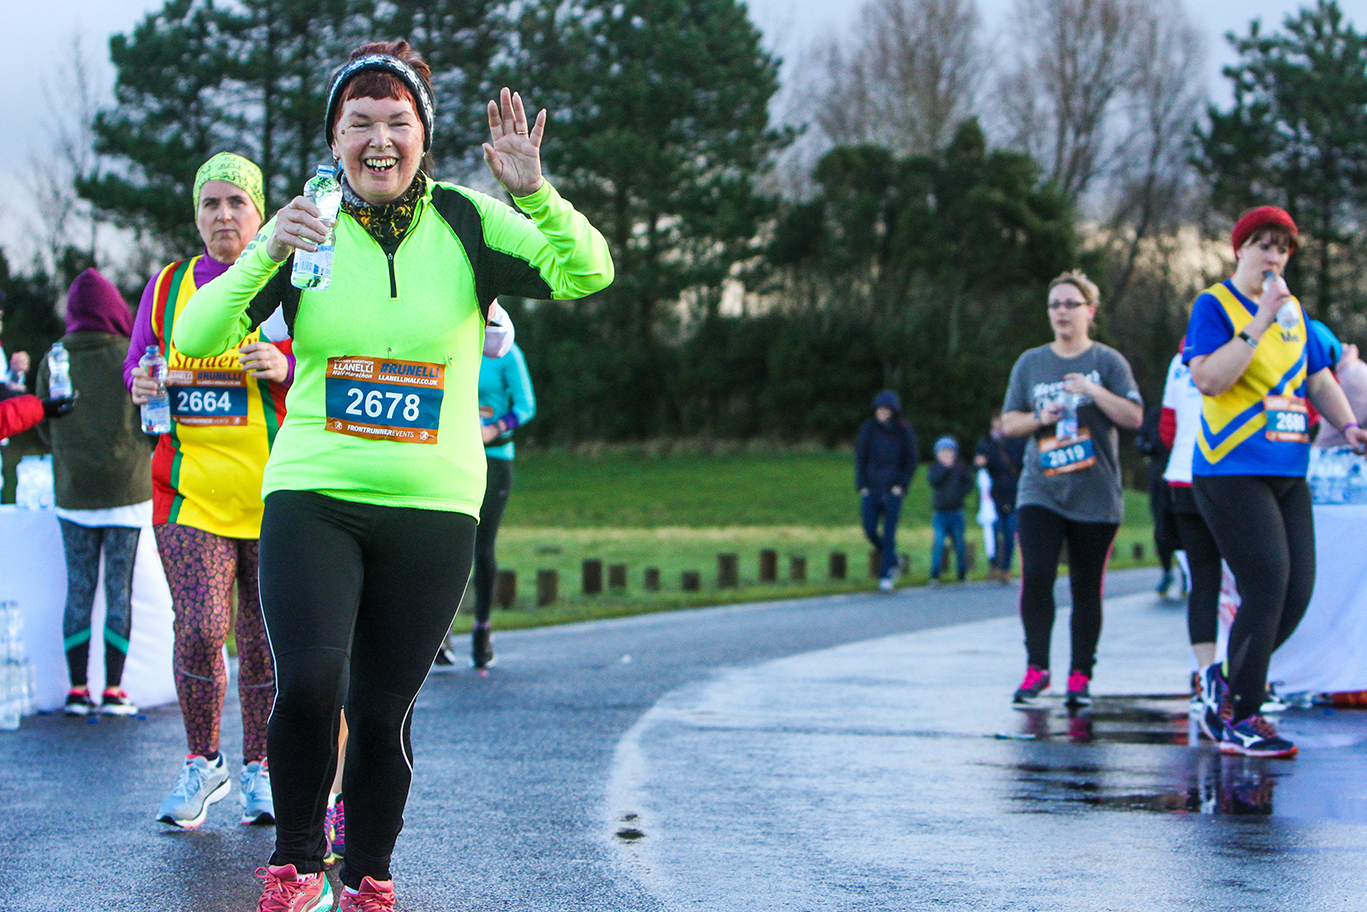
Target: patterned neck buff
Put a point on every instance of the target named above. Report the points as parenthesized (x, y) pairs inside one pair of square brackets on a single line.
[(388, 222)]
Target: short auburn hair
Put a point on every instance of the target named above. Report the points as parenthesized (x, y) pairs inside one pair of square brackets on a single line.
[(378, 83)]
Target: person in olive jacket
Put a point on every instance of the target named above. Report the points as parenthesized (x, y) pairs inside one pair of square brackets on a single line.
[(884, 464), (102, 471)]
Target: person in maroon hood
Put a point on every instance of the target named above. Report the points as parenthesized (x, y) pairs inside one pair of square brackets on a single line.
[(101, 466), (884, 464)]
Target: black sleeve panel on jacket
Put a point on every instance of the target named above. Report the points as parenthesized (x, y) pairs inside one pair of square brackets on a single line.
[(496, 272), (278, 292)]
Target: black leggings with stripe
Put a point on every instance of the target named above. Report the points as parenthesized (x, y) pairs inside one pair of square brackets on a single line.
[(358, 599), (1265, 528)]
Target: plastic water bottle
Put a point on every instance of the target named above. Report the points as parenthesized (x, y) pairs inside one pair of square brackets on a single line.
[(1067, 419), (314, 270), (33, 488), (59, 371), (156, 411), (16, 672), (1289, 314)]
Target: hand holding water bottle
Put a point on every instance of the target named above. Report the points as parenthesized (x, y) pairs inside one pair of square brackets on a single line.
[(303, 224), (156, 407), (1277, 299), (17, 374)]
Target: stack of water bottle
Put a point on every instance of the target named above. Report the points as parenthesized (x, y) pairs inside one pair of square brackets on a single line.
[(16, 672), (1337, 476), (34, 488)]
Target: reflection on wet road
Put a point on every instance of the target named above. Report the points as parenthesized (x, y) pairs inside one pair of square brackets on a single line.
[(880, 775)]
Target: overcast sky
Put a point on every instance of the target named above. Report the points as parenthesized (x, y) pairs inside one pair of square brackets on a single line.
[(37, 38)]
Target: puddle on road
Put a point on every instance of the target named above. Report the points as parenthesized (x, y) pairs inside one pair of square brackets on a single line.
[(1203, 782), (1108, 721), (1218, 785)]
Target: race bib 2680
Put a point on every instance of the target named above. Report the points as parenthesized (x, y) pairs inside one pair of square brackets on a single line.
[(385, 400)]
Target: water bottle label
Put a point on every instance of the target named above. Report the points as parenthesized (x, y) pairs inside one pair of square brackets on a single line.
[(385, 400), (1060, 455), (1288, 419), (204, 398)]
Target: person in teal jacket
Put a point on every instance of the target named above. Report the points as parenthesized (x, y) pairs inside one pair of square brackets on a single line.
[(377, 474), (506, 402)]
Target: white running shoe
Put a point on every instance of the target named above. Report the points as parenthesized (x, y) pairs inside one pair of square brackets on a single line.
[(201, 784), (257, 804)]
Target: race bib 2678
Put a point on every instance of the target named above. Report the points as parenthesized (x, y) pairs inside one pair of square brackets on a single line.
[(377, 399)]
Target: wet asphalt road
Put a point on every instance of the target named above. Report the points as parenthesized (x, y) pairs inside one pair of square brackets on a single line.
[(842, 753)]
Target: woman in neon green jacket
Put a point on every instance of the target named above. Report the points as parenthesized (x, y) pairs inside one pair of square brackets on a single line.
[(377, 475)]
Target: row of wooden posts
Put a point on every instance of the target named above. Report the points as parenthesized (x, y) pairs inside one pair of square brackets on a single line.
[(728, 574)]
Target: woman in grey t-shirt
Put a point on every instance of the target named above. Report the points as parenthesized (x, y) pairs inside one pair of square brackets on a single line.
[(1069, 397)]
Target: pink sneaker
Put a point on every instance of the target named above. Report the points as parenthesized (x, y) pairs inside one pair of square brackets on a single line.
[(1079, 689), (375, 896), (1035, 682), (284, 891)]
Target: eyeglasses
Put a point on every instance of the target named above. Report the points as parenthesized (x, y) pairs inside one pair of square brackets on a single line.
[(1070, 304)]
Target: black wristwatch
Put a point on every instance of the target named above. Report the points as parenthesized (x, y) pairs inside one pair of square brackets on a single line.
[(1243, 334)]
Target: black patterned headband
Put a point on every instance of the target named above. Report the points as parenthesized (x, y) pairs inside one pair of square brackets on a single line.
[(422, 92)]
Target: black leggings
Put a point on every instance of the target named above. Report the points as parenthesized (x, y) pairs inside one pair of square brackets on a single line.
[(357, 599), (1042, 533), (499, 484), (1203, 560), (1266, 531)]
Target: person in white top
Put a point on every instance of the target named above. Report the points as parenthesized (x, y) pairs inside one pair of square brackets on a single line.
[(1178, 426)]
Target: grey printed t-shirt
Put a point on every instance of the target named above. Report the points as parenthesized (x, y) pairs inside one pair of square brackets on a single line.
[(1088, 495)]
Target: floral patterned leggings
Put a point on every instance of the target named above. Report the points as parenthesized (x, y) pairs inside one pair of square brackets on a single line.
[(200, 568)]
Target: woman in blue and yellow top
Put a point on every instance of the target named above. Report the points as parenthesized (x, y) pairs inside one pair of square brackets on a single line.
[(1255, 363), (377, 475)]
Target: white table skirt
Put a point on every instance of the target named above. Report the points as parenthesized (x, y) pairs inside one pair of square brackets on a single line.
[(1328, 651), (33, 573)]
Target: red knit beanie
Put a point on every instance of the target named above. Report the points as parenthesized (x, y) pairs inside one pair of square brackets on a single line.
[(1257, 218)]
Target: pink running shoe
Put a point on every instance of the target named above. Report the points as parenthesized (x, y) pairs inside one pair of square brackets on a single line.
[(375, 896), (1035, 682), (284, 891), (1079, 689)]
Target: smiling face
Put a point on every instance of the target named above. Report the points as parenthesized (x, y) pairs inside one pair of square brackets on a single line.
[(379, 143), (1069, 313), (227, 219)]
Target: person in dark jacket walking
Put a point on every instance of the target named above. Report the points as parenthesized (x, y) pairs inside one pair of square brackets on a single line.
[(884, 464), (950, 482), (1002, 457)]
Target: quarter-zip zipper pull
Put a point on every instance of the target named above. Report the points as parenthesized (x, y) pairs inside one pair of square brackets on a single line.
[(393, 281)]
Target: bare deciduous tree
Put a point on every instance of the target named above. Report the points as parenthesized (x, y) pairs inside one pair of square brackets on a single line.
[(906, 77), (1075, 60), (1154, 181), (64, 219)]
